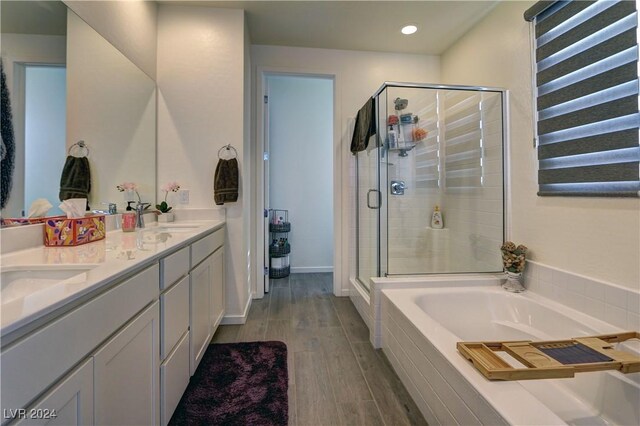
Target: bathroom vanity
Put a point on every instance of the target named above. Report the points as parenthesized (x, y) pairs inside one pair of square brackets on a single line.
[(109, 332)]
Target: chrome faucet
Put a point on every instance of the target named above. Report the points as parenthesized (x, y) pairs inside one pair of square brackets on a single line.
[(140, 212)]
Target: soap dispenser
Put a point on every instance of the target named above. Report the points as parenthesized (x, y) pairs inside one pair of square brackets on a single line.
[(436, 218)]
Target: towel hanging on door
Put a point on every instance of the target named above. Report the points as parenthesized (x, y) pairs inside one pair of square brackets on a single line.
[(225, 181), (365, 126)]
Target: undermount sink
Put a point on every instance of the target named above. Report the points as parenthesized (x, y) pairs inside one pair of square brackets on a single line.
[(20, 281)]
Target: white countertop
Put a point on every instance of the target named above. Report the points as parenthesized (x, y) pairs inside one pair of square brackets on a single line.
[(118, 255)]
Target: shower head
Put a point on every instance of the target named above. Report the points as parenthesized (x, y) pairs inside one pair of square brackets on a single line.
[(401, 104)]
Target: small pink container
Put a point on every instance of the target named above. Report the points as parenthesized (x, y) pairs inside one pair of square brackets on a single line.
[(128, 222)]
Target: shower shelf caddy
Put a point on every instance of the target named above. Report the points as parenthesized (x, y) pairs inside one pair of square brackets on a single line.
[(279, 247)]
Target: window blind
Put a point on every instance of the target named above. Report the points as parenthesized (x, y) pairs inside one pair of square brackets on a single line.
[(586, 60)]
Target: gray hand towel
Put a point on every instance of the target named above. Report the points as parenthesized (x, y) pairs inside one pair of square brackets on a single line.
[(225, 182), (365, 126), (76, 178)]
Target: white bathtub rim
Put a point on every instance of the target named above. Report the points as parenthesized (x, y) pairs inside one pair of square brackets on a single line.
[(440, 280), (514, 403)]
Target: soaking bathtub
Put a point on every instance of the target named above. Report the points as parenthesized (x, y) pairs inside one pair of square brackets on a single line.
[(420, 328)]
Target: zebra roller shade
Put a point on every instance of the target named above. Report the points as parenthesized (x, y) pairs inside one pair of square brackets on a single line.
[(586, 76)]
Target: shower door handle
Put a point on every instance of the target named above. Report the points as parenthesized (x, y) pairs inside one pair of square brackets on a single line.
[(379, 197)]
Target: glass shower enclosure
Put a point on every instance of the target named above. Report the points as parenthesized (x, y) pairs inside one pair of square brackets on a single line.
[(436, 147)]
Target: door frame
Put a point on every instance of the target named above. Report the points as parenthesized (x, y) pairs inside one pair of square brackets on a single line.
[(340, 197)]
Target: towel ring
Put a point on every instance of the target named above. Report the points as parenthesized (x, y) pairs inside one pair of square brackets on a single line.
[(228, 147), (79, 149)]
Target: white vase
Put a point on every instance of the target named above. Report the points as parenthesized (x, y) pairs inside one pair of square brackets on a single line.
[(514, 282), (166, 217)]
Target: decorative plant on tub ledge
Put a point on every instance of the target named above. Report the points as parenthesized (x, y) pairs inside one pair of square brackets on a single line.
[(513, 259), (164, 207)]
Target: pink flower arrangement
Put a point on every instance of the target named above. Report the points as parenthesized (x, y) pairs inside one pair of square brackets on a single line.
[(129, 186), (169, 187)]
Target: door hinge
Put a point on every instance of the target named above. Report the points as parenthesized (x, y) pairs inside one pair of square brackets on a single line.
[(265, 156), (266, 99), (266, 270), (266, 213)]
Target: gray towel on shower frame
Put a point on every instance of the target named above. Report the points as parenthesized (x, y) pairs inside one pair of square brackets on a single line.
[(75, 181), (225, 182), (365, 126)]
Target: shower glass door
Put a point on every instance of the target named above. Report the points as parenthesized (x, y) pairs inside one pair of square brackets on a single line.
[(368, 210), (448, 153)]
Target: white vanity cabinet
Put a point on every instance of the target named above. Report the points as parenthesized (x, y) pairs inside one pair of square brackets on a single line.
[(191, 306), (40, 361), (206, 293), (126, 371), (125, 353)]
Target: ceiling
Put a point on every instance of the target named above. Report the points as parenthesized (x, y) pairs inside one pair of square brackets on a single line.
[(33, 17), (357, 25)]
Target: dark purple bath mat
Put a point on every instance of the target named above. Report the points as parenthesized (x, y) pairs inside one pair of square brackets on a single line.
[(237, 384)]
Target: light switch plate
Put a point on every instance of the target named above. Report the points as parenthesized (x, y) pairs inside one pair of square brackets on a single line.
[(183, 196)]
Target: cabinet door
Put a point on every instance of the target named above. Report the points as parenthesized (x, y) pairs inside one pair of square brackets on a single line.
[(217, 289), (127, 390), (69, 402), (200, 313)]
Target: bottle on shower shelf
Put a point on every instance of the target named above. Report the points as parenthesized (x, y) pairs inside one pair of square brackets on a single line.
[(436, 218)]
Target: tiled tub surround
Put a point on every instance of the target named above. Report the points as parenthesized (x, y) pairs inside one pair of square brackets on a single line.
[(420, 328), (608, 302)]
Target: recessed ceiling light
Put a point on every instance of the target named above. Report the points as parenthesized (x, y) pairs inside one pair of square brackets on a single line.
[(409, 29)]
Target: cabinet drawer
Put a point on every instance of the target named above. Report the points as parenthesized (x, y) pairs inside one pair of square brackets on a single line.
[(174, 316), (37, 361), (174, 378), (174, 267), (207, 245)]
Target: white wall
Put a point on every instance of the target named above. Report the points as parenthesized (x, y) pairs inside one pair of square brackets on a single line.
[(131, 26), (357, 76), (17, 48), (45, 133), (595, 237), (201, 84), (301, 166)]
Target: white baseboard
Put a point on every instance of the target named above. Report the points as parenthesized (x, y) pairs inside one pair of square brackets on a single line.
[(310, 269), (238, 319), (345, 292)]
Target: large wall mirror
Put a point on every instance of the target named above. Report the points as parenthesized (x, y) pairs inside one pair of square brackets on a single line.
[(68, 84)]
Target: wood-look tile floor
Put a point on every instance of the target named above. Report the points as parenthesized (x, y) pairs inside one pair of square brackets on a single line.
[(335, 375)]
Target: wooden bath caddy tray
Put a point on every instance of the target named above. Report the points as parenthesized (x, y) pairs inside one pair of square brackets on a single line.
[(552, 359)]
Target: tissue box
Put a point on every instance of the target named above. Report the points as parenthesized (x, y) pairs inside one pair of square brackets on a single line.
[(74, 232)]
